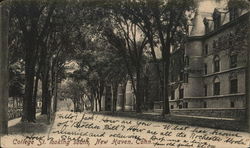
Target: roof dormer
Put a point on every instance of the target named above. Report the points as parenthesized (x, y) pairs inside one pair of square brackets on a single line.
[(217, 18), (208, 21)]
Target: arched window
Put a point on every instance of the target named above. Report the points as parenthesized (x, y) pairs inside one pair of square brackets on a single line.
[(216, 86), (233, 83), (216, 64)]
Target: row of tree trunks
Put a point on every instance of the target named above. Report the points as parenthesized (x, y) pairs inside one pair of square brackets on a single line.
[(4, 72)]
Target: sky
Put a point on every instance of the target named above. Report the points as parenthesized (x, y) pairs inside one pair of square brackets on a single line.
[(209, 5)]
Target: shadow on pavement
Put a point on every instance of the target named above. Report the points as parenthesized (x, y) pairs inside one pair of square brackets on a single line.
[(41, 126)]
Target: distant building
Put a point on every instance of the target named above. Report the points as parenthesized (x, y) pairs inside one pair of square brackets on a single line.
[(212, 82)]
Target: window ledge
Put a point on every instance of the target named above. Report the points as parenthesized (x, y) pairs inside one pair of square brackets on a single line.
[(221, 72), (217, 96)]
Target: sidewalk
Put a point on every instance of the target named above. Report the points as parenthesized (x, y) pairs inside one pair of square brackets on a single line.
[(201, 117), (209, 122), (15, 126)]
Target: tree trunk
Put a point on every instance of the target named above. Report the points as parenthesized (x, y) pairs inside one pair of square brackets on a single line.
[(92, 103), (55, 94), (29, 79), (45, 82), (75, 105), (4, 71), (114, 96), (166, 63), (45, 93), (247, 83), (124, 96), (82, 103), (138, 90), (35, 96), (100, 104), (96, 104)]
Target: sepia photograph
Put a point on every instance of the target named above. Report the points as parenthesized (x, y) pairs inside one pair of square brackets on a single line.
[(124, 73)]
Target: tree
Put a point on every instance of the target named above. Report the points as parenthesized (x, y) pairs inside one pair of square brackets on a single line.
[(125, 36), (99, 65), (16, 80), (4, 70), (75, 92), (42, 23), (32, 30), (164, 23)]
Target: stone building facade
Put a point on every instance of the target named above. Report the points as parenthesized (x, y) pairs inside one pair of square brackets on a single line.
[(212, 82)]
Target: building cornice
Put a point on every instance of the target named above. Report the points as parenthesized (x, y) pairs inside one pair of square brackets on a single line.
[(244, 17)]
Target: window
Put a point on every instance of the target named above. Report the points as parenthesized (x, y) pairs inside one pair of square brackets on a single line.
[(181, 93), (233, 61), (206, 49), (205, 104), (205, 69), (181, 76), (232, 105), (180, 106), (214, 44), (172, 95), (220, 42), (172, 106), (230, 39), (185, 77), (233, 84), (187, 60), (185, 105), (216, 64), (205, 90), (216, 86)]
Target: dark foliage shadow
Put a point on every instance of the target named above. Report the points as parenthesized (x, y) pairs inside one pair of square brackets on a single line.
[(40, 126)]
